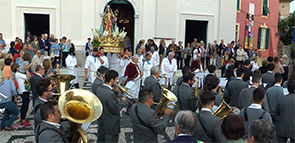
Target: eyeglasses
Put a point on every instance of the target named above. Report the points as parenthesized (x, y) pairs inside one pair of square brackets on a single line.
[(50, 90), (42, 69)]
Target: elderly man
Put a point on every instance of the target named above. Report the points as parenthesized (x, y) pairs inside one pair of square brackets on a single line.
[(51, 40), (152, 84), (37, 60), (198, 68), (169, 68), (262, 131), (134, 75), (185, 125), (37, 75)]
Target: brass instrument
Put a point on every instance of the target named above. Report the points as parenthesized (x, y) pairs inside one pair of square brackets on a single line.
[(97, 74), (124, 90), (198, 91), (166, 79), (79, 106), (222, 110), (167, 97), (62, 82)]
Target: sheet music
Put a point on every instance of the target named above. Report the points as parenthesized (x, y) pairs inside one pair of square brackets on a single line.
[(223, 82), (130, 84), (285, 91)]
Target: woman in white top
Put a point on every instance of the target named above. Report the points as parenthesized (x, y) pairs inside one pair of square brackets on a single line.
[(25, 94), (240, 57)]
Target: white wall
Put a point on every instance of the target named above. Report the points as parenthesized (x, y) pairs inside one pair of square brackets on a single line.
[(155, 18)]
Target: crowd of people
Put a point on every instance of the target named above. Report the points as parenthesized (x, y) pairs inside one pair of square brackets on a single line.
[(260, 90)]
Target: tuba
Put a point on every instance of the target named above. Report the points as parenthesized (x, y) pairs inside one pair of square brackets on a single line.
[(167, 97), (222, 110), (62, 82), (79, 106)]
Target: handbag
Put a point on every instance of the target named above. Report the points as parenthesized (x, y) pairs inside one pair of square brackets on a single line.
[(51, 54), (185, 55), (42, 51)]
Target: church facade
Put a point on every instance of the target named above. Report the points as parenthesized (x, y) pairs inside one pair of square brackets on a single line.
[(179, 20)]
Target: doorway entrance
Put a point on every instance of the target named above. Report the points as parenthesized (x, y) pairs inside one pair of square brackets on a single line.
[(37, 24), (125, 19), (196, 29)]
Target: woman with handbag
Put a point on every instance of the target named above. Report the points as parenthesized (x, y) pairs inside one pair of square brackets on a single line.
[(23, 92)]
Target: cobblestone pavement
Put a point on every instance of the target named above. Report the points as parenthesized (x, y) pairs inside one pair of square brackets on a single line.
[(26, 134)]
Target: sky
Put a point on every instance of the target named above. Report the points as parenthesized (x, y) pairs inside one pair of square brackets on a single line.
[(292, 6)]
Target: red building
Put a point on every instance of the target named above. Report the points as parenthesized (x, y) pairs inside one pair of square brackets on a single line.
[(257, 22)]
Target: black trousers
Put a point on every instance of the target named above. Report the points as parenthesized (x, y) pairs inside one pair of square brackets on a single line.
[(179, 63), (239, 64), (25, 104), (284, 140), (187, 60), (64, 56), (55, 61)]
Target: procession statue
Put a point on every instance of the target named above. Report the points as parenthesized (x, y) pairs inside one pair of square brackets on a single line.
[(109, 36)]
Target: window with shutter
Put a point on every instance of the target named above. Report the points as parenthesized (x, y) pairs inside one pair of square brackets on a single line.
[(263, 38), (265, 9), (238, 5)]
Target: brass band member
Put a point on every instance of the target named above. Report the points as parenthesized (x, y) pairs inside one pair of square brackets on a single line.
[(45, 93), (100, 80), (209, 129), (146, 124), (185, 94), (109, 122), (49, 130), (152, 84)]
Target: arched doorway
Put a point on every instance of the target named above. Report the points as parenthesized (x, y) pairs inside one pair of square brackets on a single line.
[(127, 18)]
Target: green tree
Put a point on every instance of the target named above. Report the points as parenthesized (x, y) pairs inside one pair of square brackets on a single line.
[(286, 37)]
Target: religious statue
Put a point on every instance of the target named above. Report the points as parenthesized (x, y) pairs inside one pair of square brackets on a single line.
[(109, 20)]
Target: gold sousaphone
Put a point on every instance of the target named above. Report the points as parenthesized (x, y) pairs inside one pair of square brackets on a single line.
[(79, 106), (62, 82)]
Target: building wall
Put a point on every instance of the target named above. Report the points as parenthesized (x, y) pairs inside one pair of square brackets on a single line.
[(270, 22), (153, 18), (284, 9)]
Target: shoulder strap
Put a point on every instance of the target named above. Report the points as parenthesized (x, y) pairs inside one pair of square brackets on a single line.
[(198, 116), (245, 115), (37, 107), (140, 120), (262, 115)]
